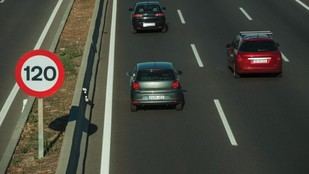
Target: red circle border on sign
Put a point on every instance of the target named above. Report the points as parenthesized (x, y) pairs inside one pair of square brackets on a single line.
[(24, 87)]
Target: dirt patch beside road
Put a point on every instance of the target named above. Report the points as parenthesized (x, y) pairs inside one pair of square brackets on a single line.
[(57, 107)]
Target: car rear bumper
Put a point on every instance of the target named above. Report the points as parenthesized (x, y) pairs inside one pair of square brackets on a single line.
[(148, 25), (164, 98), (254, 70)]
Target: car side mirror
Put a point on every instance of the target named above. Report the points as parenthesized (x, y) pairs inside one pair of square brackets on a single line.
[(277, 44), (228, 45), (179, 72), (130, 9), (163, 8)]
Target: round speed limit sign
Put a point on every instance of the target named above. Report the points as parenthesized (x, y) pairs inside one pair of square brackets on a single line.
[(39, 73)]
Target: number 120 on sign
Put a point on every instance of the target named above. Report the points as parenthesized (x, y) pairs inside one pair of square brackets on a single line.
[(37, 73)]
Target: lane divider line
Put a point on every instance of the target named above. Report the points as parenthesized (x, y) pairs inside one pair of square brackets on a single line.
[(284, 57), (302, 4), (182, 19), (245, 13), (7, 105), (225, 123), (107, 129), (197, 56)]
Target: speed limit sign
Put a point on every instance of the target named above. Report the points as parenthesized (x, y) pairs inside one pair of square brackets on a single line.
[(39, 73)]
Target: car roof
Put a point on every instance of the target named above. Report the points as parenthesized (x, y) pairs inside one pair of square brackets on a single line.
[(154, 65), (147, 2), (255, 35)]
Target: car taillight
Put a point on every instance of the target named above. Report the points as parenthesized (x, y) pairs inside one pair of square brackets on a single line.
[(176, 84), (159, 14), (135, 86), (137, 15), (239, 58), (279, 58)]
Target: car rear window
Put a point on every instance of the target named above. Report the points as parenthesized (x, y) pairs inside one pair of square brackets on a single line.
[(155, 75), (148, 9), (258, 46)]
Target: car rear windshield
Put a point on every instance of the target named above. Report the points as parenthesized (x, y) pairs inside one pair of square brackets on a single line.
[(258, 46), (155, 75), (152, 8)]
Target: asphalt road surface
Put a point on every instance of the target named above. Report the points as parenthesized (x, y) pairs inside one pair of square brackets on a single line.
[(237, 126)]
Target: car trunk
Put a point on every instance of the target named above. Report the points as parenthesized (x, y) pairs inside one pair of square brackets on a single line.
[(261, 59), (156, 86)]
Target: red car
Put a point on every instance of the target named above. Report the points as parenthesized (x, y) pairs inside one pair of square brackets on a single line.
[(254, 52)]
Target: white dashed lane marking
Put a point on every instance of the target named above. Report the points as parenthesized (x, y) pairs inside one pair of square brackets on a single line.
[(197, 56), (182, 19), (245, 13), (302, 4), (225, 123), (284, 57)]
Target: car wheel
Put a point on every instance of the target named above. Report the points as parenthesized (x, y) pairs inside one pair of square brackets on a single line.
[(133, 108), (179, 107), (134, 31), (164, 29)]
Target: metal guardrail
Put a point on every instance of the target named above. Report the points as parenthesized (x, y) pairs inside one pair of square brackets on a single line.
[(74, 144)]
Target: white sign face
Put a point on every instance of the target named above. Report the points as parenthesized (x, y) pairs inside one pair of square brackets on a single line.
[(39, 73)]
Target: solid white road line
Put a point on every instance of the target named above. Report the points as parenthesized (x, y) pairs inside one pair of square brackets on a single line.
[(225, 123), (8, 103), (284, 57), (245, 13), (5, 108), (48, 24), (302, 4), (197, 56), (182, 19), (105, 155)]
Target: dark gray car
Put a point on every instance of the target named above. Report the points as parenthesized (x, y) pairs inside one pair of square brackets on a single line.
[(148, 15), (155, 83)]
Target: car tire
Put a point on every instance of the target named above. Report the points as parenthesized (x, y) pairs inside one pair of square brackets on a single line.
[(279, 75), (134, 30), (179, 107), (164, 29), (134, 108)]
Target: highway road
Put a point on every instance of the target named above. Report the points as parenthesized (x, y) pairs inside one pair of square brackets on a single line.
[(250, 125), (23, 28)]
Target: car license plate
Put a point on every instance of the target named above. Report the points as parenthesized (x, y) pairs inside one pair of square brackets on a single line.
[(259, 60), (152, 24), (154, 97)]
